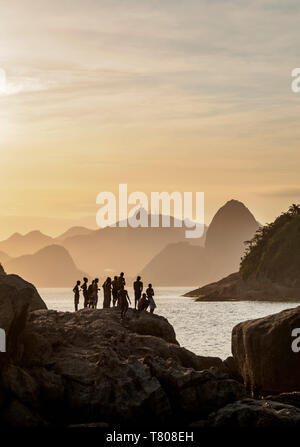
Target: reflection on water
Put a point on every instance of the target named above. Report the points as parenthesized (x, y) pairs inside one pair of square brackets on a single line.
[(204, 328)]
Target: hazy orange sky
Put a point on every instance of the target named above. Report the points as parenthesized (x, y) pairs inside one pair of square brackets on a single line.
[(168, 95)]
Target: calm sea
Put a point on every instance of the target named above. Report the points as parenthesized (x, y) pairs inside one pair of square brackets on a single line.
[(204, 328)]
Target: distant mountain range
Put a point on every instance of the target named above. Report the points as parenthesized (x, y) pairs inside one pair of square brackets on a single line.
[(18, 244), (51, 266), (162, 255), (72, 232)]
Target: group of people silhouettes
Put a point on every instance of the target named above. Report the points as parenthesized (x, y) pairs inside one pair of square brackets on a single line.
[(114, 293)]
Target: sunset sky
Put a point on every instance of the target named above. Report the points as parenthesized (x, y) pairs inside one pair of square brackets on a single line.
[(190, 95)]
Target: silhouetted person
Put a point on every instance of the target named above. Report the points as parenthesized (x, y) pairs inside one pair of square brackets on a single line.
[(85, 292), (115, 285), (150, 295), (91, 294), (95, 292), (107, 292), (138, 288), (76, 291), (121, 281), (152, 304), (143, 302), (123, 301)]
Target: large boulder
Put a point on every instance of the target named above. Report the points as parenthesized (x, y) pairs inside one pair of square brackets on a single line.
[(92, 367), (16, 295), (262, 350), (195, 393), (17, 299)]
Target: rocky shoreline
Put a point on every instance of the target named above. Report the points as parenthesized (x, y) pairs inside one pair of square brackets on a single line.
[(90, 368), (235, 288)]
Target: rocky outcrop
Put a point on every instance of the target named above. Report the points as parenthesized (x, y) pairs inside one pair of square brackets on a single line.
[(235, 288), (195, 393), (91, 367), (251, 413), (262, 350), (287, 398)]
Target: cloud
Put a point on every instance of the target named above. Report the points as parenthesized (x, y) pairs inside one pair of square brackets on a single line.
[(283, 193)]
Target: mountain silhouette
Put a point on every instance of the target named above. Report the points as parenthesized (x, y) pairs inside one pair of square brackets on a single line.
[(73, 231), (177, 264), (232, 225), (51, 266), (269, 270), (18, 244), (186, 264), (103, 252), (108, 251)]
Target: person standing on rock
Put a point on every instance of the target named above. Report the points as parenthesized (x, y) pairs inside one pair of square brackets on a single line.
[(138, 289), (95, 292), (150, 295), (84, 288), (123, 302), (106, 293), (114, 284), (90, 293), (121, 281), (76, 295)]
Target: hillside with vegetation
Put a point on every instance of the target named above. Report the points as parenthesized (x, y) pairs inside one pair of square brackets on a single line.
[(274, 251)]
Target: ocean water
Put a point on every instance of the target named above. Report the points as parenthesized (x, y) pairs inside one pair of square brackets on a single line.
[(204, 328)]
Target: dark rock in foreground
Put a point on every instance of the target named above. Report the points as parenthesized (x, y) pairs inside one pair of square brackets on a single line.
[(262, 350), (90, 367), (251, 413), (235, 288), (17, 298), (292, 398)]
